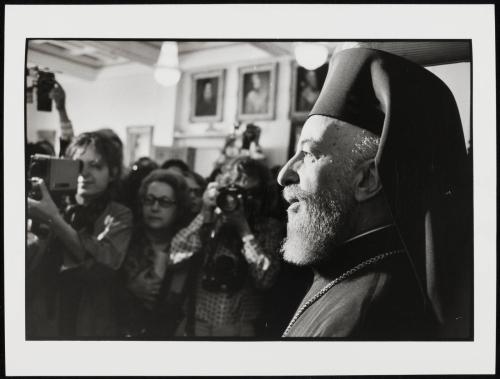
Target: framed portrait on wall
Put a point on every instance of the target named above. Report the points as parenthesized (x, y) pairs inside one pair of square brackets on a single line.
[(207, 96), (257, 92), (139, 143), (306, 85)]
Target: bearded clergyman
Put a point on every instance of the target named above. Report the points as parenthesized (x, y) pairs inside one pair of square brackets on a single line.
[(381, 205)]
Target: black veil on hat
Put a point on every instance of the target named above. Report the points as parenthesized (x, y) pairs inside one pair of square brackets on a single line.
[(423, 164)]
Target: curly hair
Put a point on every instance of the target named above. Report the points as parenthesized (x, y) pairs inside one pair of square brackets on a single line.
[(178, 163), (178, 184), (240, 166)]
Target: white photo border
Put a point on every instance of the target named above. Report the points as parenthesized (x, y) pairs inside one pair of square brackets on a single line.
[(352, 22)]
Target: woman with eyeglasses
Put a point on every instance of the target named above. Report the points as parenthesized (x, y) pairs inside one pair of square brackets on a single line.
[(155, 275), (195, 182)]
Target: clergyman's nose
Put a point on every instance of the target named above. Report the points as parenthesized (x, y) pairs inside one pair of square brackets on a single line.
[(288, 175)]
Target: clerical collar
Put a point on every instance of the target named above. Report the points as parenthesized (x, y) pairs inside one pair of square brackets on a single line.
[(360, 248)]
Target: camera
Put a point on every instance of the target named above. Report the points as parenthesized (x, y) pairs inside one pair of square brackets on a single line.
[(224, 273), (61, 178), (44, 81), (228, 199), (251, 134), (59, 174)]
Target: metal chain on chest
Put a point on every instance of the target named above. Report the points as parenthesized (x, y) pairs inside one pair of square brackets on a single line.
[(337, 280)]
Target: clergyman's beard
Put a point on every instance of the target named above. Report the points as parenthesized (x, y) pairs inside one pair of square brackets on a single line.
[(320, 224)]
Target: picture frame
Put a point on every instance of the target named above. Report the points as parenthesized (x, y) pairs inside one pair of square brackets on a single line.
[(305, 89), (257, 92), (164, 153), (207, 96), (139, 143)]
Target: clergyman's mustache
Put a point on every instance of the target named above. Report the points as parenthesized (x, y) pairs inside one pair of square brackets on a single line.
[(292, 193)]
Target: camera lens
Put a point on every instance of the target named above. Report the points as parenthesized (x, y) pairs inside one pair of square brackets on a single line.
[(228, 199), (228, 203), (224, 265)]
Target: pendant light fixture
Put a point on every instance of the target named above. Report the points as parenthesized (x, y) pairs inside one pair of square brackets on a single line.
[(310, 55), (167, 71)]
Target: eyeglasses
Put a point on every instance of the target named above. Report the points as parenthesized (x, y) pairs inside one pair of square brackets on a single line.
[(162, 201)]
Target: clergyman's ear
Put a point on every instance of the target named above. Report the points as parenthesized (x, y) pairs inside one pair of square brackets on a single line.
[(367, 181)]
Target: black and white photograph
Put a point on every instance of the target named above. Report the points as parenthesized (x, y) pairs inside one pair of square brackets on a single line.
[(335, 211), (160, 275)]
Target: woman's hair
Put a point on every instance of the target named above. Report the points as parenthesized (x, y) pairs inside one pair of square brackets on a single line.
[(234, 169), (45, 147), (178, 184), (180, 164), (143, 164), (110, 133), (105, 146), (200, 180)]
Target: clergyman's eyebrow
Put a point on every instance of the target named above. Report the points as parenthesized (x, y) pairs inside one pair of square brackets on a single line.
[(308, 141), (304, 141)]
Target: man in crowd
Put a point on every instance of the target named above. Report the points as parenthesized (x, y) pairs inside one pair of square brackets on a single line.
[(381, 205)]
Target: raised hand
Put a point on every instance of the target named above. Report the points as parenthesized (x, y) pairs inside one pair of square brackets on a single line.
[(43, 210), (146, 286)]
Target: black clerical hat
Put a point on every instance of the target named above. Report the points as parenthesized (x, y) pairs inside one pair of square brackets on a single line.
[(423, 163)]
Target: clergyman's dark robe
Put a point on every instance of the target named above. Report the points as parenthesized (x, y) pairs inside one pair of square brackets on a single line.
[(382, 301)]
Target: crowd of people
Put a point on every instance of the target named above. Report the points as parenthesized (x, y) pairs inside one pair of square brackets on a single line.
[(157, 251), (380, 194)]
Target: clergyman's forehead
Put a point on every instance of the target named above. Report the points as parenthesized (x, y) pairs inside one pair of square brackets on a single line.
[(329, 134)]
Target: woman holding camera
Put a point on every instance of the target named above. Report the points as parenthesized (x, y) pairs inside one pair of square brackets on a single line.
[(72, 292), (240, 246), (155, 274)]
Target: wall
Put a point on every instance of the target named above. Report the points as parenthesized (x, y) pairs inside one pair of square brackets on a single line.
[(275, 133), (457, 78), (119, 97), (128, 95)]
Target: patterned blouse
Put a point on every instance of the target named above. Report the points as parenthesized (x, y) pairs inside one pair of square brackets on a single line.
[(261, 252)]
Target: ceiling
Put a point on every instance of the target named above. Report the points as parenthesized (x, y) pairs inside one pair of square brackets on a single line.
[(85, 58)]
